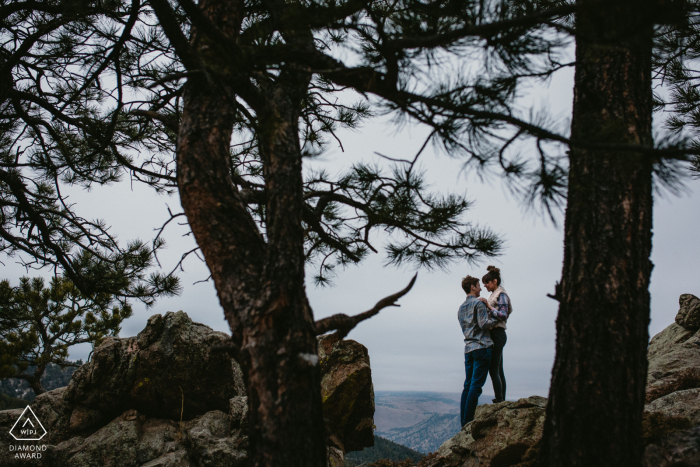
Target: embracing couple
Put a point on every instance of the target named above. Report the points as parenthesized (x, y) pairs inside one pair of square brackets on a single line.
[(483, 324)]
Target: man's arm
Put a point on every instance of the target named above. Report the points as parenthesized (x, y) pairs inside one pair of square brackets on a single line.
[(482, 316)]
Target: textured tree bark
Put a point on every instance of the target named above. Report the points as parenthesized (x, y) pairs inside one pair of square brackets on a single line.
[(596, 397), (34, 380), (260, 282)]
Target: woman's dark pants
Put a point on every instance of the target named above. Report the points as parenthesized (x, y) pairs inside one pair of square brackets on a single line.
[(498, 336)]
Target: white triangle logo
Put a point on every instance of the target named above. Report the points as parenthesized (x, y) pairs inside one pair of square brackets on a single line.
[(28, 427)]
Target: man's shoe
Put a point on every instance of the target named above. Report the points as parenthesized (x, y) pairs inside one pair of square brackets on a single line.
[(496, 401)]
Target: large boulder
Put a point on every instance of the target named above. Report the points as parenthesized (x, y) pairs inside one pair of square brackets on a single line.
[(168, 370), (55, 413), (673, 390), (503, 434), (347, 393), (685, 404), (689, 314), (666, 341), (130, 439), (674, 353), (164, 398)]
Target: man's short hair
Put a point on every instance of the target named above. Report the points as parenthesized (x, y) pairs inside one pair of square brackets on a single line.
[(468, 282)]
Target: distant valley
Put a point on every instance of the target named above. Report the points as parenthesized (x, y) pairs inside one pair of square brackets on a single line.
[(419, 420)]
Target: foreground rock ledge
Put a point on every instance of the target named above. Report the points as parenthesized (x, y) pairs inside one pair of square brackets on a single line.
[(503, 434), (164, 399)]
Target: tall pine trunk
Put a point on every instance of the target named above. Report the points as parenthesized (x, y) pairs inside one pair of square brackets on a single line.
[(260, 284), (596, 397), (259, 281)]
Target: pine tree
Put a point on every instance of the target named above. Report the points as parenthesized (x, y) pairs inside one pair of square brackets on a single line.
[(38, 325), (60, 128), (676, 52)]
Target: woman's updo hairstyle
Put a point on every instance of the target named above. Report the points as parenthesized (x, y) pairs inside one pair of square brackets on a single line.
[(493, 273)]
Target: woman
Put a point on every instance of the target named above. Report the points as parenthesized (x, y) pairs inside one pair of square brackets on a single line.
[(499, 306)]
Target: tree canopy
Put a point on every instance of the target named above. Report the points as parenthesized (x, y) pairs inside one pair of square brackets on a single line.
[(59, 128), (676, 65), (94, 92)]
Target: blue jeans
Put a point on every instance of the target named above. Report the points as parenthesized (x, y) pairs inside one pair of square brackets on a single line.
[(498, 378), (476, 367)]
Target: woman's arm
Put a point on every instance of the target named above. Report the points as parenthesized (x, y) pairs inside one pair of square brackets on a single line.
[(500, 311), (501, 308)]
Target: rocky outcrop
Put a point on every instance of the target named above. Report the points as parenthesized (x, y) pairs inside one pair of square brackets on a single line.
[(165, 398), (689, 315), (674, 353), (167, 371), (685, 404), (673, 389), (348, 394), (503, 434), (133, 439), (678, 449)]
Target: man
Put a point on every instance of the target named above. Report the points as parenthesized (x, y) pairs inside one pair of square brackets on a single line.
[(475, 321)]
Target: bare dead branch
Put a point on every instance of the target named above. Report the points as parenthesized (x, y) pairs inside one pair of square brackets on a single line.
[(344, 323), (557, 293)]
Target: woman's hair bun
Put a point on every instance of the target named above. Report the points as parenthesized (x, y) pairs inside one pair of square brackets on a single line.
[(494, 270)]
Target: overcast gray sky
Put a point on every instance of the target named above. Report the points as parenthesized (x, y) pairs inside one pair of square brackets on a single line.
[(418, 346)]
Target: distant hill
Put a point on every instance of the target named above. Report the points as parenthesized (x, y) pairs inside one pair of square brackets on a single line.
[(7, 402), (421, 421), (382, 449), (54, 377), (428, 435)]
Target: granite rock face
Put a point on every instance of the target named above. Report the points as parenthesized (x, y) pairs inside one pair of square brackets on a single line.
[(684, 404), (673, 389), (134, 440), (503, 434), (171, 360), (348, 394), (164, 399), (674, 353), (679, 449), (689, 314), (666, 341)]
